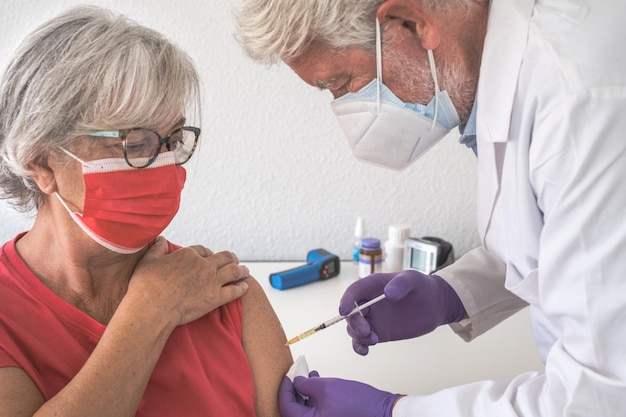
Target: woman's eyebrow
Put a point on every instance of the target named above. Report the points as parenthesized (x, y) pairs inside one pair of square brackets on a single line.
[(180, 123)]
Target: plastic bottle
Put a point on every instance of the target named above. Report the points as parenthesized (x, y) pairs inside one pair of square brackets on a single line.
[(394, 247), (359, 233), (370, 257)]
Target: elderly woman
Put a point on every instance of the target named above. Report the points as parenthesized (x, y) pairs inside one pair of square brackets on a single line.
[(98, 315)]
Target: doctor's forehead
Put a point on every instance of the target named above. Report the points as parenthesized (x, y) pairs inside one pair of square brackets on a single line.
[(321, 66)]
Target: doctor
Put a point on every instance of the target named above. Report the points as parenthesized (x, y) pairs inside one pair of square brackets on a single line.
[(538, 90)]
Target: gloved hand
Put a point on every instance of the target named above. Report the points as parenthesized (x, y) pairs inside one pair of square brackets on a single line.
[(416, 304), (332, 397)]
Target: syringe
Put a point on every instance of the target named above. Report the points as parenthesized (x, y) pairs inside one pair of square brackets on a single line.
[(334, 320)]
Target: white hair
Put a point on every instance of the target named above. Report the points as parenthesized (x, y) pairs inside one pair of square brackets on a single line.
[(278, 30), (87, 69)]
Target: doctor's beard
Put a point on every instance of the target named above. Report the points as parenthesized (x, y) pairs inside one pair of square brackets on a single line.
[(419, 86)]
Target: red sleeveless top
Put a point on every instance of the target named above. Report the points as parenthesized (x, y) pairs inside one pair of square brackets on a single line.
[(203, 369)]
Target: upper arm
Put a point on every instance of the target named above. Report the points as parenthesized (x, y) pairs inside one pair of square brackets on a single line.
[(264, 342), (18, 394)]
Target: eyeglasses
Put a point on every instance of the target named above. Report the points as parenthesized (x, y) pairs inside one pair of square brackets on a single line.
[(142, 146)]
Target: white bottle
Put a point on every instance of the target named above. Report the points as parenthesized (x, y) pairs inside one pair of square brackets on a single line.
[(394, 247), (359, 234)]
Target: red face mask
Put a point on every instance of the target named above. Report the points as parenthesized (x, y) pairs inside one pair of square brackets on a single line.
[(126, 208)]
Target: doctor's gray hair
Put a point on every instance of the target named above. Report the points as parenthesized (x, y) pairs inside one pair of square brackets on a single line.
[(87, 69), (279, 30)]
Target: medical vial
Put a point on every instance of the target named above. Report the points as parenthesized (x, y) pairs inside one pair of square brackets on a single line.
[(394, 247), (359, 233), (370, 257)]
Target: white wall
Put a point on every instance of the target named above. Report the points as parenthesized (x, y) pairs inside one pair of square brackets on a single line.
[(274, 176)]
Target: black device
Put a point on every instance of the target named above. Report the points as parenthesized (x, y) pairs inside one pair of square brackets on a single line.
[(427, 254)]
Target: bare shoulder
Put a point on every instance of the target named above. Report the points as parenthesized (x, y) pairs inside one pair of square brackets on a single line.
[(255, 294), (260, 322), (18, 394), (264, 341)]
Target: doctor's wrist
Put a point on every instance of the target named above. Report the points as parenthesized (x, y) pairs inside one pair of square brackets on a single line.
[(398, 398), (391, 403), (454, 309)]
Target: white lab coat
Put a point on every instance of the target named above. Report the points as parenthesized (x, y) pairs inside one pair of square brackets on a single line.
[(551, 134)]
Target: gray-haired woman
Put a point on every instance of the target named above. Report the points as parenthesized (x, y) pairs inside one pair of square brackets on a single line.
[(98, 315)]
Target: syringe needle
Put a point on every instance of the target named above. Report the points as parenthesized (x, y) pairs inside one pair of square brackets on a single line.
[(334, 320)]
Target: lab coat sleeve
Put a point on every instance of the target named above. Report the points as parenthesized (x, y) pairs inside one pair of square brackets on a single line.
[(478, 279)]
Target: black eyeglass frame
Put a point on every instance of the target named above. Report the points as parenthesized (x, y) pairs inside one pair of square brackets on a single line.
[(167, 141)]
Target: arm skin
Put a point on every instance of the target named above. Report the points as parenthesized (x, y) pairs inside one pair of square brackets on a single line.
[(113, 380), (264, 343)]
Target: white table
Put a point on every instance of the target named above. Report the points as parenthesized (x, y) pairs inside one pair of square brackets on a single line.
[(418, 366)]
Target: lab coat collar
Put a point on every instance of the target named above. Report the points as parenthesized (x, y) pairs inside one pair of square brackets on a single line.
[(507, 34), (505, 43)]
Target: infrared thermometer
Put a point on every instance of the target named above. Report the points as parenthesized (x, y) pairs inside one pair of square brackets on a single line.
[(320, 265)]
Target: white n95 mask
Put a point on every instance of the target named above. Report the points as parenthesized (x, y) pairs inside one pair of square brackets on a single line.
[(383, 130)]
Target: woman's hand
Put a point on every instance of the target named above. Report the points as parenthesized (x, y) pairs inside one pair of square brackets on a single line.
[(188, 283)]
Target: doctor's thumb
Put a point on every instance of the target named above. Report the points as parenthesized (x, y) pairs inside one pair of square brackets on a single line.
[(306, 386), (402, 284)]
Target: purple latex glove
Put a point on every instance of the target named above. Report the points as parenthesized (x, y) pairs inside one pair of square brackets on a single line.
[(416, 304), (332, 397)]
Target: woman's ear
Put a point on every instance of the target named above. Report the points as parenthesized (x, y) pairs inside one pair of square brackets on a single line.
[(43, 176), (411, 16)]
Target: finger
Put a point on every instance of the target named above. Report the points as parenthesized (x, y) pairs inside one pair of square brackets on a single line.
[(359, 348), (224, 258), (304, 386), (354, 293), (359, 325), (286, 388), (369, 340), (288, 400), (232, 273), (233, 291), (311, 388), (201, 250), (362, 290), (400, 286), (314, 388)]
